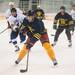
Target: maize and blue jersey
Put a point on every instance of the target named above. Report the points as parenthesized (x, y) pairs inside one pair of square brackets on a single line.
[(63, 20), (34, 27)]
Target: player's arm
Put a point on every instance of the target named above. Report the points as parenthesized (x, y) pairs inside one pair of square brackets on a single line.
[(9, 27), (70, 22), (55, 21), (9, 22), (23, 27)]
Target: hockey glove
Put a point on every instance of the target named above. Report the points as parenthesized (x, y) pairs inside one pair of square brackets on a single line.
[(71, 27), (15, 28), (55, 27)]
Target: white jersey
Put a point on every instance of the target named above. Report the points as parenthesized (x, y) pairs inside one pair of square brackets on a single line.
[(16, 21), (73, 14), (8, 12)]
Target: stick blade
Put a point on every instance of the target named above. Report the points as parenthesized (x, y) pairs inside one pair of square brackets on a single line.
[(52, 34), (22, 70)]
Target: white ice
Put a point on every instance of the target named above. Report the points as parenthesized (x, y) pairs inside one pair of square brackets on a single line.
[(39, 62)]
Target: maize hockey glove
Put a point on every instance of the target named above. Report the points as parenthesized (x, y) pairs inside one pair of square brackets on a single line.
[(55, 27)]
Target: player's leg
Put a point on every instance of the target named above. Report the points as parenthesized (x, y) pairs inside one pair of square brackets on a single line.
[(68, 36), (29, 43), (22, 37), (45, 43), (74, 24), (58, 32), (14, 40), (72, 28)]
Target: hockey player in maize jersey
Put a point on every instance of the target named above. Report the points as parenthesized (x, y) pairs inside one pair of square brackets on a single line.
[(73, 17), (65, 23), (14, 22), (39, 13), (35, 30)]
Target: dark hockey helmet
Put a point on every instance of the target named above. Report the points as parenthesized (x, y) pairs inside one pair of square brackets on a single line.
[(13, 10), (30, 13), (62, 7)]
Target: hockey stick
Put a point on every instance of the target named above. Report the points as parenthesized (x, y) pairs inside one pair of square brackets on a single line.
[(3, 30), (26, 69), (52, 34)]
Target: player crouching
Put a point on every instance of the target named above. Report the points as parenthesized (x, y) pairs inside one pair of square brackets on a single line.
[(35, 31)]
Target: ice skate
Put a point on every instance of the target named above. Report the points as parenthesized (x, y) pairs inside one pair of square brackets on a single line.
[(55, 62), (70, 44), (17, 49), (54, 44)]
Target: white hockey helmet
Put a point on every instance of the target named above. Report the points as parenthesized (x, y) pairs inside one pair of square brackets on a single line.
[(38, 6), (11, 3)]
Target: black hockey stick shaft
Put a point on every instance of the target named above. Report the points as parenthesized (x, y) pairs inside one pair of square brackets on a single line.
[(52, 34), (3, 31), (26, 69), (27, 60)]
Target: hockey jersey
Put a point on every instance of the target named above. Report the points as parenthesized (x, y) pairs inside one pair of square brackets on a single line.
[(36, 27), (73, 14), (8, 12), (63, 20), (16, 21)]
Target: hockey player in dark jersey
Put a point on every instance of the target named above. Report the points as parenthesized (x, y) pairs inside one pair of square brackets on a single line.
[(65, 22), (39, 13), (35, 30)]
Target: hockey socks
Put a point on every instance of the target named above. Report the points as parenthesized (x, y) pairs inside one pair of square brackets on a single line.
[(47, 47), (17, 48), (23, 52), (50, 52)]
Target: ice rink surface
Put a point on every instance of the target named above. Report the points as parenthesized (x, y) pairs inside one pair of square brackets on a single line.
[(39, 62)]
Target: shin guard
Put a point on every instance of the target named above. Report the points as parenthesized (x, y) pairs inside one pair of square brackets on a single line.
[(23, 52), (49, 50)]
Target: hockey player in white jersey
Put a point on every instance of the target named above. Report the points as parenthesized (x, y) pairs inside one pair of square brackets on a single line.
[(12, 5), (8, 14), (73, 17), (15, 21)]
